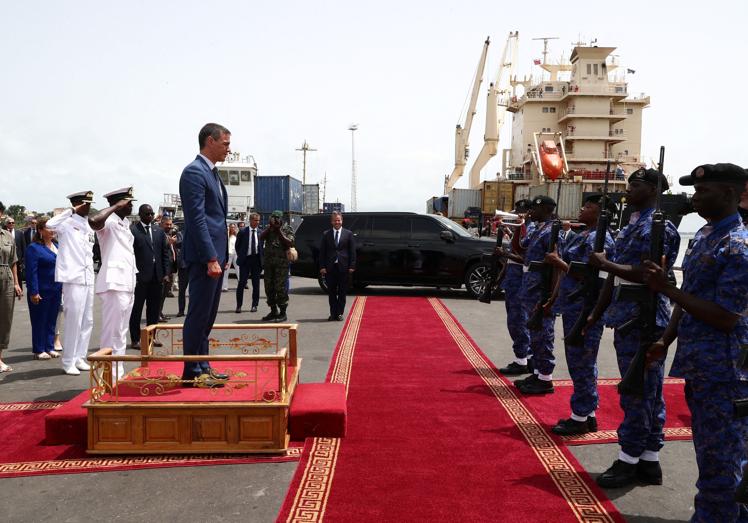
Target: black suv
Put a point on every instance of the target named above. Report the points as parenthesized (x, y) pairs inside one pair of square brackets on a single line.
[(400, 248)]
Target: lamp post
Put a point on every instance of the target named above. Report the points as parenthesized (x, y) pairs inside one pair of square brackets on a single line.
[(353, 128)]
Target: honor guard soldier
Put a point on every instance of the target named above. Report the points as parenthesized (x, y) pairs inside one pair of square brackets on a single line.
[(74, 269), (710, 323), (536, 245), (581, 358), (640, 434), (115, 284), (516, 316)]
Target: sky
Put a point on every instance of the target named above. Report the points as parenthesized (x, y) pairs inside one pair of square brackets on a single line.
[(101, 95)]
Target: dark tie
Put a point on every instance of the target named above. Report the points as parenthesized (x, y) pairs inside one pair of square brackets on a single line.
[(215, 170), (253, 249), (148, 232), (336, 237)]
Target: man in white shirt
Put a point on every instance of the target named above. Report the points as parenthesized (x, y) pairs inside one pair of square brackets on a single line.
[(115, 284), (74, 269), (249, 259)]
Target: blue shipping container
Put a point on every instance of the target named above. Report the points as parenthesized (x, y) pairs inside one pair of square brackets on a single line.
[(278, 193), (329, 207)]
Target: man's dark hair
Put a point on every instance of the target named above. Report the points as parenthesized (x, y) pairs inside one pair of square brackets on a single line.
[(2, 207), (211, 129)]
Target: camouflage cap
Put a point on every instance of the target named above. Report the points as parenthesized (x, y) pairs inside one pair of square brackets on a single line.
[(276, 214), (718, 172)]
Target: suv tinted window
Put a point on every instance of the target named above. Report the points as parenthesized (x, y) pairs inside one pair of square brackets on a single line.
[(388, 227), (359, 225), (424, 229)]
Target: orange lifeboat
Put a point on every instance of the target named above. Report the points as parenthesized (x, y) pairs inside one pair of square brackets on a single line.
[(551, 160)]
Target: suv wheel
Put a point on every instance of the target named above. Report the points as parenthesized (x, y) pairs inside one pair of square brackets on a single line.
[(322, 284), (475, 279)]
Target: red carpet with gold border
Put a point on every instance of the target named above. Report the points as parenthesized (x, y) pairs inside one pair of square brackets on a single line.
[(434, 433), (23, 452)]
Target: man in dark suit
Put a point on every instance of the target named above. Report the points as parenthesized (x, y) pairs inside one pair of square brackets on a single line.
[(152, 258), (30, 231), (249, 259), (204, 248), (10, 225), (337, 260)]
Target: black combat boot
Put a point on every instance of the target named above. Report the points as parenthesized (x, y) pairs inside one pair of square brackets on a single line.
[(649, 472), (273, 314), (514, 369), (618, 475), (282, 315), (571, 427)]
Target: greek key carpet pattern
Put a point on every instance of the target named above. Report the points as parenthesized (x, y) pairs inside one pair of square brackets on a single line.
[(31, 405), (615, 381), (581, 499), (608, 436), (314, 488)]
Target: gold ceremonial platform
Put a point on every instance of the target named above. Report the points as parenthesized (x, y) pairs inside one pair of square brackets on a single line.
[(152, 410)]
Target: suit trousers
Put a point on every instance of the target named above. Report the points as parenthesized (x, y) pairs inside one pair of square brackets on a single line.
[(250, 269), (205, 295), (115, 310), (148, 293), (78, 304), (44, 320), (337, 287), (183, 278)]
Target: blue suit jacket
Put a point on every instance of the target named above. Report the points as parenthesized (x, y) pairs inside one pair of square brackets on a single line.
[(242, 246), (204, 202), (40, 269)]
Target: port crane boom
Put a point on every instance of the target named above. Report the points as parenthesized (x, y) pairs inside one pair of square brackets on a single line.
[(462, 132), (499, 95)]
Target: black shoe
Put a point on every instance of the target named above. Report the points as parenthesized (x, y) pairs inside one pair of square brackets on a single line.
[(649, 472), (271, 315), (530, 366), (204, 381), (570, 427), (524, 381), (514, 369), (340, 317), (618, 475), (164, 317), (281, 318), (537, 386), (135, 345), (592, 423), (331, 318), (180, 314), (215, 374), (253, 309), (238, 310)]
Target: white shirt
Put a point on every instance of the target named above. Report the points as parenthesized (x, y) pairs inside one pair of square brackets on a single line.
[(118, 267), (232, 244), (76, 242)]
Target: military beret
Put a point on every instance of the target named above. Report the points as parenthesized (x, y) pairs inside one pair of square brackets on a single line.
[(718, 172), (276, 214), (82, 197), (125, 193), (609, 205), (649, 176), (522, 205), (542, 200)]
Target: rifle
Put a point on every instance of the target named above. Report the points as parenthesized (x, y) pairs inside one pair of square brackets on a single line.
[(546, 271), (633, 381), (591, 284), (495, 274)]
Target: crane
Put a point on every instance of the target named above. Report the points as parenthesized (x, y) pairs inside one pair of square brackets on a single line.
[(462, 132), (499, 94)]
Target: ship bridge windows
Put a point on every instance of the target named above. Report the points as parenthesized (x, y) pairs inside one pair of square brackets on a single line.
[(549, 109), (629, 110), (548, 88), (233, 177)]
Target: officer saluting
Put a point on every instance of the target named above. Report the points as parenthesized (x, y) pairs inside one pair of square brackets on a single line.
[(710, 323), (74, 269), (115, 285)]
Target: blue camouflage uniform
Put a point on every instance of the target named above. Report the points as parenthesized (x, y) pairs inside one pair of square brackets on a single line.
[(581, 361), (516, 315), (643, 417), (716, 269), (541, 340)]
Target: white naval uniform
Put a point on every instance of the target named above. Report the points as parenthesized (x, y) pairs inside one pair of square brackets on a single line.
[(115, 284), (74, 269)]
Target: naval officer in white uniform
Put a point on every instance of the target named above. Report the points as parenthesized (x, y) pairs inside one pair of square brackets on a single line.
[(74, 269), (115, 284)]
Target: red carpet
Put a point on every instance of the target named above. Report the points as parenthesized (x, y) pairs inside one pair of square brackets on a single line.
[(549, 408), (23, 451), (433, 433)]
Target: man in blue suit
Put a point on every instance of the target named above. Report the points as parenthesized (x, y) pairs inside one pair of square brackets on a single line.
[(337, 260), (249, 258), (204, 248)]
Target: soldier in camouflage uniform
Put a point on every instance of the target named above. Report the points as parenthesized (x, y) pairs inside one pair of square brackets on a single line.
[(711, 324), (278, 238)]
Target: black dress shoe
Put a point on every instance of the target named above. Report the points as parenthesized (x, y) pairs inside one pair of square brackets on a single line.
[(164, 317), (204, 381), (524, 381), (618, 475), (238, 310), (514, 369), (570, 427), (216, 375), (180, 314), (536, 386), (331, 318), (649, 472), (158, 344), (592, 423), (340, 317), (253, 309), (135, 345)]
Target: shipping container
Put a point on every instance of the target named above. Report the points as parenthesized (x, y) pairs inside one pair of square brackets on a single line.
[(278, 193), (568, 200), (430, 205), (521, 191), (441, 204), (461, 199), (311, 199), (329, 207), (497, 196)]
